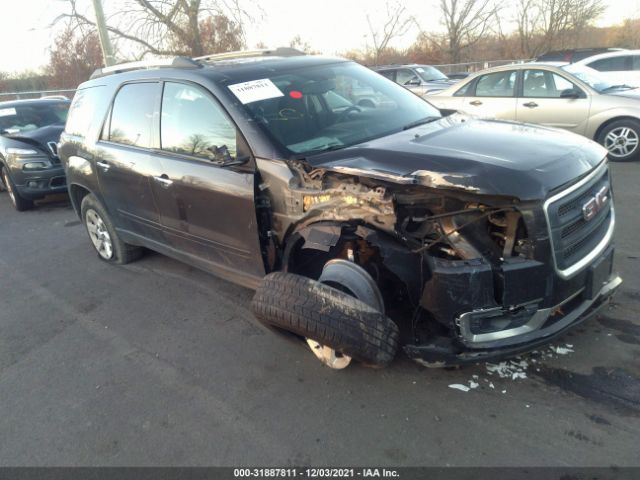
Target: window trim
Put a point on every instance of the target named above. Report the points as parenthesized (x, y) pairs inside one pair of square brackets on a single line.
[(515, 84), (241, 141), (107, 120)]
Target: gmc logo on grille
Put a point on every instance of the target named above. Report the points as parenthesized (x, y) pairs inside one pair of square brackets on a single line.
[(596, 204)]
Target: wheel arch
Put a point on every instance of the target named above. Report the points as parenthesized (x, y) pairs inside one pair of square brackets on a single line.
[(608, 122), (77, 193)]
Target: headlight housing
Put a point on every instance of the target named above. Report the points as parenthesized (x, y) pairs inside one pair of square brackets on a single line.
[(22, 152)]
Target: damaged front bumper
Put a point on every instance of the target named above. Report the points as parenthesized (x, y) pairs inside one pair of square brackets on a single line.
[(536, 327)]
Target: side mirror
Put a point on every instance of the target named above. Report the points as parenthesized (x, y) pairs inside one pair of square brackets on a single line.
[(414, 82), (571, 93)]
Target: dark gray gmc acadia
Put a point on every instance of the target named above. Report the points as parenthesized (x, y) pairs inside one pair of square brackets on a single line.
[(361, 227)]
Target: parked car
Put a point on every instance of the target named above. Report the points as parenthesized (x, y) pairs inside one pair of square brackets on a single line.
[(618, 68), (29, 165), (361, 228), (572, 97), (458, 75), (574, 55), (420, 79)]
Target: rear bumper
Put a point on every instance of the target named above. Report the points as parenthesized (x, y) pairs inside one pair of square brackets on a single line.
[(543, 325)]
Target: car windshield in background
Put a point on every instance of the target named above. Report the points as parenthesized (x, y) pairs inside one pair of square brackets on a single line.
[(323, 108), (592, 78), (430, 74), (26, 117)]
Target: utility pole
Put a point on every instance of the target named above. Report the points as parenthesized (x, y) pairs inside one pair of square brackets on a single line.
[(105, 43)]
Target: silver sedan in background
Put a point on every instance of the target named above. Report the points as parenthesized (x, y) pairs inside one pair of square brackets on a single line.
[(572, 97)]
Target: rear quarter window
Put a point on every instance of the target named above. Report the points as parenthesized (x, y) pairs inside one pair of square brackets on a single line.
[(82, 112)]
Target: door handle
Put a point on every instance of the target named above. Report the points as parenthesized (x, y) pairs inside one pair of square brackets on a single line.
[(530, 105), (476, 103), (103, 165), (163, 180)]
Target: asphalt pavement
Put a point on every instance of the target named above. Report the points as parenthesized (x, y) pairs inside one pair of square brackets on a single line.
[(157, 363)]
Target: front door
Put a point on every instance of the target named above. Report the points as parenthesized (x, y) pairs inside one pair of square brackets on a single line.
[(123, 161), (541, 101), (492, 96), (205, 193)]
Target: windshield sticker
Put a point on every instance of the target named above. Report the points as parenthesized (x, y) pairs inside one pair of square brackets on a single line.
[(5, 112), (255, 90)]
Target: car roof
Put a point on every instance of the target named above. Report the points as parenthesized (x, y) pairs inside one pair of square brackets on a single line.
[(603, 56), (230, 67), (402, 65), (33, 101)]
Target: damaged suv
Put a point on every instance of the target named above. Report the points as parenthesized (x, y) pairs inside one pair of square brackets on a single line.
[(362, 227)]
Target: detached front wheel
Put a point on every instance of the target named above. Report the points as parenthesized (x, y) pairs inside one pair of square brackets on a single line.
[(337, 325)]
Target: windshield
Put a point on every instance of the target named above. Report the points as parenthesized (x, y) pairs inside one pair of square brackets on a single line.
[(589, 76), (430, 74), (329, 107), (18, 118)]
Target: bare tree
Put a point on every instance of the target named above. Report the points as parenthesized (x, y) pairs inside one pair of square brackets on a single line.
[(165, 27), (397, 23), (545, 24), (466, 22)]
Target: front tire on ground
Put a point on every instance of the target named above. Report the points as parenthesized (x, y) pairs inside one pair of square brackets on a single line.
[(330, 317), (19, 202), (622, 139), (103, 235)]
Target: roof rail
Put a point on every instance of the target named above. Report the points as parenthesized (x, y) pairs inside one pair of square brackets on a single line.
[(175, 62), (266, 52)]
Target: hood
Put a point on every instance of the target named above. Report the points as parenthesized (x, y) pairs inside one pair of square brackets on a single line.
[(488, 157), (39, 137), (629, 93)]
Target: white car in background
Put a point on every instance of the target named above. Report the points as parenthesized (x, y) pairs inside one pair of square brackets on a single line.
[(619, 68)]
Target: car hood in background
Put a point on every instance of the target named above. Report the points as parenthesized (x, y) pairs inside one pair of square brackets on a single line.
[(482, 156), (40, 137), (629, 93)]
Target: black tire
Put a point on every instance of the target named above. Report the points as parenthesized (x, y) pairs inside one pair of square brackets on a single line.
[(121, 253), (333, 318), (20, 203), (618, 125)]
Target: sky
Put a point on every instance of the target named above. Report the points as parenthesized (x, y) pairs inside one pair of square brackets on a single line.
[(329, 26)]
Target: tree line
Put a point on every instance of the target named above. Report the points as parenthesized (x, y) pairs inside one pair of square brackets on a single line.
[(471, 30)]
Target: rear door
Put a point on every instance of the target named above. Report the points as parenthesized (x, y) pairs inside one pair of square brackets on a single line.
[(491, 96), (124, 164), (206, 204), (541, 102)]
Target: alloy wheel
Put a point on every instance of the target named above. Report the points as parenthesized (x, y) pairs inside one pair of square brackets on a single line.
[(99, 234), (621, 142)]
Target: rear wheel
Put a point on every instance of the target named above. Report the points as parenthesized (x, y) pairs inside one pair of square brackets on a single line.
[(103, 235), (19, 202), (622, 139)]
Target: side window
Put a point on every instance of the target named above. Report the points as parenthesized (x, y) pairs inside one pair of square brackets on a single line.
[(544, 84), (465, 91), (193, 124), (82, 110), (405, 77), (635, 62), (390, 74), (132, 114), (614, 64), (499, 84)]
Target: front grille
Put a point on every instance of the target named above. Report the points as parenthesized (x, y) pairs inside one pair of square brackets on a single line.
[(573, 236)]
